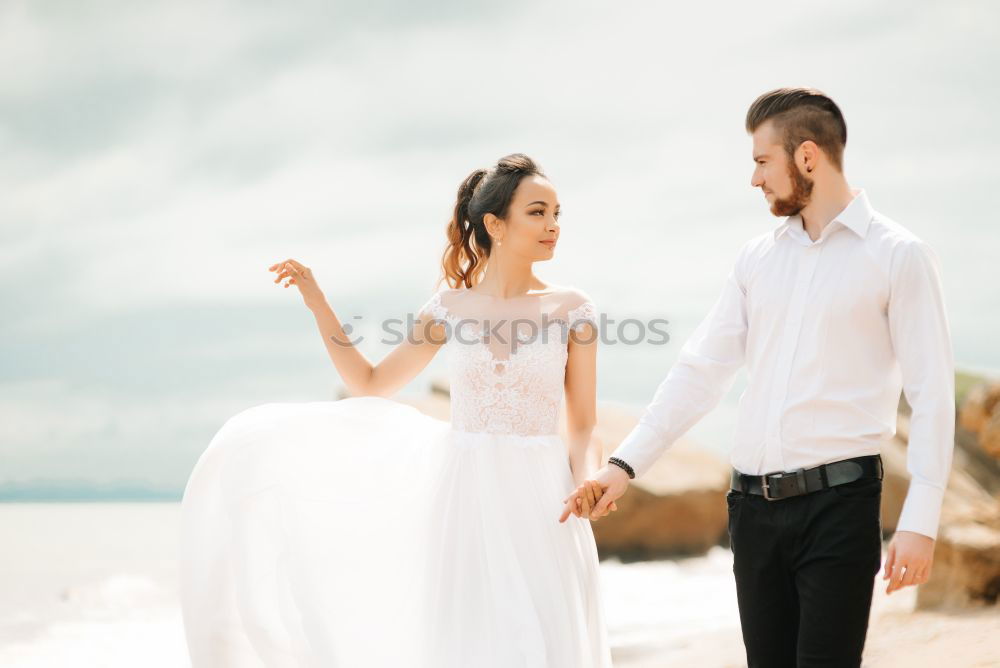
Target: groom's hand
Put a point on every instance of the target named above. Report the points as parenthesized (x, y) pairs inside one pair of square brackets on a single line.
[(582, 500), (908, 560), (614, 481), (612, 487)]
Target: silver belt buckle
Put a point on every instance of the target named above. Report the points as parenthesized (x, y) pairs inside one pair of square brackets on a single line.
[(765, 487)]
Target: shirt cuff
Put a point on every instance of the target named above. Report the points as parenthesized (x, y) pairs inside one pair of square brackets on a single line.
[(640, 449), (921, 509)]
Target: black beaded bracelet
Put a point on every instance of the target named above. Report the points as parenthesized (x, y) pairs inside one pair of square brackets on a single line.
[(620, 463)]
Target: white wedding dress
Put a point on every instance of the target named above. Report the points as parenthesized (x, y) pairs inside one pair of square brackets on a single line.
[(364, 533)]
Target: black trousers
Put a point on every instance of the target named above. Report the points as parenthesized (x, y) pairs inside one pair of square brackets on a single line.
[(805, 572)]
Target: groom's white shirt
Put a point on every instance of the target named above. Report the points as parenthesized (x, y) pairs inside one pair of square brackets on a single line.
[(830, 331)]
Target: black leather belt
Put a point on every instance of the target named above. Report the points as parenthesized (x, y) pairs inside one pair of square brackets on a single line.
[(785, 484)]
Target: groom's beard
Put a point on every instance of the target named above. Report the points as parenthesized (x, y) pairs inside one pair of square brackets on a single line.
[(801, 193)]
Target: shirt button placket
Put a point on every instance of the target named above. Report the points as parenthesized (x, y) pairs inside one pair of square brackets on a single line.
[(808, 259)]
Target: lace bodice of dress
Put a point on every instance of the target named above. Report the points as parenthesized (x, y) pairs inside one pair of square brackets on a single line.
[(507, 357)]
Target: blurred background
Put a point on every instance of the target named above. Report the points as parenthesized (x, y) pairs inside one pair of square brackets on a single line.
[(157, 157)]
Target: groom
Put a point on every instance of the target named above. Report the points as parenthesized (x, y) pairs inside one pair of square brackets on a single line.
[(833, 312)]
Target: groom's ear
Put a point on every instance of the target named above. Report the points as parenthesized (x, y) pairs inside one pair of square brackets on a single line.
[(807, 156)]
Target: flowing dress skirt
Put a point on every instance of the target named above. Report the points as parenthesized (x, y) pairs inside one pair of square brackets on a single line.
[(362, 532)]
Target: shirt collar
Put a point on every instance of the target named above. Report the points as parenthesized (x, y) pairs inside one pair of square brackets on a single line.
[(785, 224), (856, 216)]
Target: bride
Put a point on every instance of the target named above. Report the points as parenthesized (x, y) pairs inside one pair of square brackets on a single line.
[(362, 532)]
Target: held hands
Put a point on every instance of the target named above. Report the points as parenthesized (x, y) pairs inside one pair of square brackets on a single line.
[(596, 497), (301, 277), (909, 560), (583, 500)]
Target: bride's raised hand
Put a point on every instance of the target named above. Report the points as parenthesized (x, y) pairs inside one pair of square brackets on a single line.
[(301, 277)]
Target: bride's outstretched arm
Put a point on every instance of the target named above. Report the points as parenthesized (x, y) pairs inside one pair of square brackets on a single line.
[(361, 377)]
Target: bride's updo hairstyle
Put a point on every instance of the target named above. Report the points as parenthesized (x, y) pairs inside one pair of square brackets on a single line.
[(483, 191)]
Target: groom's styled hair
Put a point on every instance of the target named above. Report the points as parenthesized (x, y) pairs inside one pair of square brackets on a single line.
[(801, 114)]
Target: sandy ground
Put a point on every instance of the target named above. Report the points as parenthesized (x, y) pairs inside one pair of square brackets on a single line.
[(897, 636), (113, 603)]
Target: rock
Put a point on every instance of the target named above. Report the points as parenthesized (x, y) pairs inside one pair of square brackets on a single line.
[(980, 415), (441, 386), (977, 461), (989, 437), (966, 569), (979, 406)]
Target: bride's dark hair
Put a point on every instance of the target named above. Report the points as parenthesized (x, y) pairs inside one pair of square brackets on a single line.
[(483, 191)]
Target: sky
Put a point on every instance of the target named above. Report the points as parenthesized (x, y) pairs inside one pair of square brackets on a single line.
[(157, 157)]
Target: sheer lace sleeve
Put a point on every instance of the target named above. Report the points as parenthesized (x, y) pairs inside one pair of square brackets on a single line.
[(433, 307), (585, 312)]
